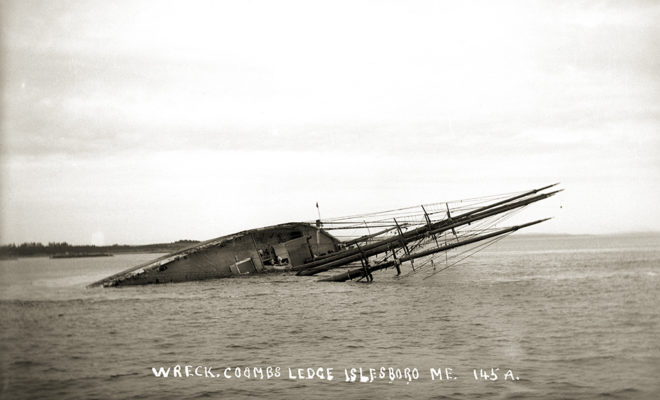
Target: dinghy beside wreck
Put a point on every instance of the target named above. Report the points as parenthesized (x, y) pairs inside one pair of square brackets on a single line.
[(416, 236)]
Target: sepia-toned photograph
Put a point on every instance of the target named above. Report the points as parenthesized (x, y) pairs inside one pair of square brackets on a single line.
[(251, 199)]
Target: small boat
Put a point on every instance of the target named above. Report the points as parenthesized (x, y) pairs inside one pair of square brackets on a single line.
[(413, 237)]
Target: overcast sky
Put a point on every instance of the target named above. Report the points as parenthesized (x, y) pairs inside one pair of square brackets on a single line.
[(139, 122)]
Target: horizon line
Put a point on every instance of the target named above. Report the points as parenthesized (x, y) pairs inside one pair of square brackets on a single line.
[(626, 233)]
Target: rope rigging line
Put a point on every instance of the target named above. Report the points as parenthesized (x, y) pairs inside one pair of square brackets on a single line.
[(483, 227), (464, 204), (476, 250), (471, 251)]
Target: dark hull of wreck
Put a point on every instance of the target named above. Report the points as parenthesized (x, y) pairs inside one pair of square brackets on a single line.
[(255, 251)]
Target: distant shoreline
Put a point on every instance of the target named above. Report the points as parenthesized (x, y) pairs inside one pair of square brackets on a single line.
[(80, 255), (56, 249), (626, 234)]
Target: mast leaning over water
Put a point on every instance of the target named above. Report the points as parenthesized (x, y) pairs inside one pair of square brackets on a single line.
[(362, 272), (361, 253)]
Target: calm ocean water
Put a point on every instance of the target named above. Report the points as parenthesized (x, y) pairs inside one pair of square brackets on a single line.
[(571, 317)]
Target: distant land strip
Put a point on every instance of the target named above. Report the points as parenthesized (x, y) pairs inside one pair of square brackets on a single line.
[(35, 249)]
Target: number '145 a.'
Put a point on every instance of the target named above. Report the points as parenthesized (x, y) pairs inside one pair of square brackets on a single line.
[(491, 374)]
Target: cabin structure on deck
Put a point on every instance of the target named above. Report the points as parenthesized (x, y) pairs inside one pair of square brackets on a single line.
[(272, 248)]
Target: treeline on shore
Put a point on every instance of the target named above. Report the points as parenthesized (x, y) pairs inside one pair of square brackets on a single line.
[(56, 248)]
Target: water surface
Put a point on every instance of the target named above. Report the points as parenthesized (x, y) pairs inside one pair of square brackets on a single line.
[(570, 316)]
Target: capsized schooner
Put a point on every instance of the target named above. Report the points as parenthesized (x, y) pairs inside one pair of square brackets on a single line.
[(358, 245)]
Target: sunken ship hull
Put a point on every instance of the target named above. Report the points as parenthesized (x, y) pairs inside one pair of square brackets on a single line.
[(405, 235), (274, 248)]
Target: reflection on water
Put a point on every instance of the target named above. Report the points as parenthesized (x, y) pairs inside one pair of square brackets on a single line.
[(573, 317)]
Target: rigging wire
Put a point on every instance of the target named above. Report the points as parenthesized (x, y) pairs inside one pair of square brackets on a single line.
[(471, 203), (477, 249), (501, 218)]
